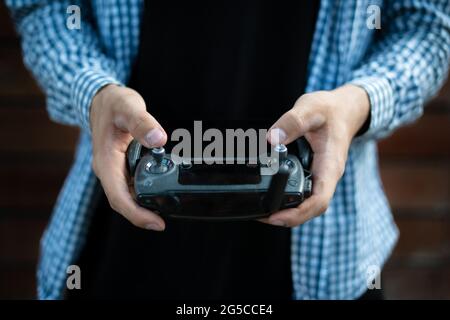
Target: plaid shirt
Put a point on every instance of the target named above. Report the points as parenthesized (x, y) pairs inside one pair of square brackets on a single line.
[(400, 66)]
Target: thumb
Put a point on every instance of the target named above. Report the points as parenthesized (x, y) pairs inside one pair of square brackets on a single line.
[(143, 127), (294, 124)]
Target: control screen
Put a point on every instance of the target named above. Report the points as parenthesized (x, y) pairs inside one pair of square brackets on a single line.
[(219, 174)]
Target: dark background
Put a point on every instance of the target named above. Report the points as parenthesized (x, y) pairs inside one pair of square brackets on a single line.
[(35, 155)]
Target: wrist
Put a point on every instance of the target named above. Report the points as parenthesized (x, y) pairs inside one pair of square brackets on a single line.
[(98, 100), (354, 103)]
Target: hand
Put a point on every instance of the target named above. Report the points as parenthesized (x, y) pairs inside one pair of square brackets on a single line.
[(117, 115), (329, 120)]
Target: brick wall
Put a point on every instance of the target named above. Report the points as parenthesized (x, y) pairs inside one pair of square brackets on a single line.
[(35, 155)]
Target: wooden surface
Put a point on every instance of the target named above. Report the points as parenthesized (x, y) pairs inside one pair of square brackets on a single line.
[(35, 155)]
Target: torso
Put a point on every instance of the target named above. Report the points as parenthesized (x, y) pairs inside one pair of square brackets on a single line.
[(240, 64)]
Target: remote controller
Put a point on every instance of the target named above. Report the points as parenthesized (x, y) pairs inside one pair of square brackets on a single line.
[(219, 191)]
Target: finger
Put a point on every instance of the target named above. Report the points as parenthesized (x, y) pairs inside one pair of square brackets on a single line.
[(117, 191), (292, 217), (326, 173), (310, 208), (302, 118), (133, 117)]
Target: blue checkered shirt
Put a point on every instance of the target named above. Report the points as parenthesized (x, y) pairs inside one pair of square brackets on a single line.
[(400, 66)]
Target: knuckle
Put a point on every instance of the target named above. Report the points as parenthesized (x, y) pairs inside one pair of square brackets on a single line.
[(126, 97), (117, 102), (321, 100), (322, 97), (139, 119), (307, 97), (127, 101), (295, 119)]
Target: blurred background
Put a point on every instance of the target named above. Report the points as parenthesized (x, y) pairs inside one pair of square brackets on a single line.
[(35, 155)]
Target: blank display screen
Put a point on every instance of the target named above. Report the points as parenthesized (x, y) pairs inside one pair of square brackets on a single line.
[(219, 174)]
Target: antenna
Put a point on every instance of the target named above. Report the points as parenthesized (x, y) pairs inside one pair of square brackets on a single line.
[(274, 197)]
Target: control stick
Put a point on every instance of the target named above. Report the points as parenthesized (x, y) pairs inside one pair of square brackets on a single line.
[(158, 166)]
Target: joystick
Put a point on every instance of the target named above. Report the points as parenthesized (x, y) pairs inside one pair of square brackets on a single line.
[(158, 165), (281, 152), (158, 154)]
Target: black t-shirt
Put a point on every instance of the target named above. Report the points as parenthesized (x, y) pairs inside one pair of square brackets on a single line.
[(231, 64)]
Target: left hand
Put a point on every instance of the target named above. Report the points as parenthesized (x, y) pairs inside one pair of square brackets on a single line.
[(329, 120)]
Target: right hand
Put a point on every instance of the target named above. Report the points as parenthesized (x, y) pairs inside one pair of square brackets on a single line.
[(118, 115)]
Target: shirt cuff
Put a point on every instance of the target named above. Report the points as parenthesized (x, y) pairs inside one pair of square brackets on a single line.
[(381, 97), (85, 85)]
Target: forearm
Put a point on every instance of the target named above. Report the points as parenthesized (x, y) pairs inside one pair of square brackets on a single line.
[(69, 65), (407, 65)]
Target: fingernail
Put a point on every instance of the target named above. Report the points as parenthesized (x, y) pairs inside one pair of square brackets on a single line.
[(154, 137), (154, 227), (278, 223), (277, 136)]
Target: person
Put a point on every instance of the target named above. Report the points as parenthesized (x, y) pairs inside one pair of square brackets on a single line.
[(134, 69)]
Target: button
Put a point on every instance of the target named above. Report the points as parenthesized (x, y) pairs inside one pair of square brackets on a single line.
[(292, 182), (290, 164), (153, 167)]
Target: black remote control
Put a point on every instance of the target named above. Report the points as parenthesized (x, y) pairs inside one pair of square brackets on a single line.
[(219, 191)]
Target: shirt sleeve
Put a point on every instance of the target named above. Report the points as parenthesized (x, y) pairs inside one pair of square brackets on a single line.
[(406, 65), (69, 64)]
